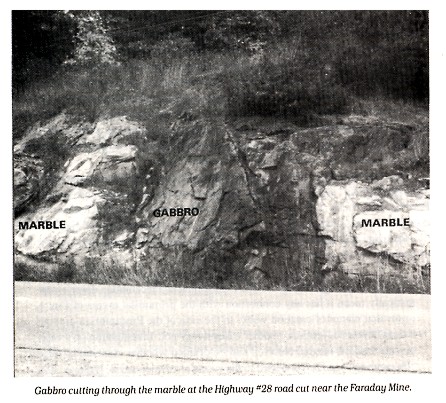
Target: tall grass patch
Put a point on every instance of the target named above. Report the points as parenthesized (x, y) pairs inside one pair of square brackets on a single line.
[(286, 81)]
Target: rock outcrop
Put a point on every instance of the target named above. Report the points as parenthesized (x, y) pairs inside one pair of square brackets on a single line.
[(28, 173), (347, 213), (278, 205)]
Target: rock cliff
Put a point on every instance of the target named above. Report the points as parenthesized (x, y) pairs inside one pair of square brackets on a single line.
[(279, 205)]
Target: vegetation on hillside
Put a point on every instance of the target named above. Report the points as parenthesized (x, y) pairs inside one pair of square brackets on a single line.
[(292, 64), (158, 66)]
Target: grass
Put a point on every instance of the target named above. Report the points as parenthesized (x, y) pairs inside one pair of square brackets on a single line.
[(284, 81), (138, 89), (386, 110), (382, 277), (281, 81), (95, 270)]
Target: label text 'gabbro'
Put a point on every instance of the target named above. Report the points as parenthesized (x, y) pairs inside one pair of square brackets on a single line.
[(176, 212)]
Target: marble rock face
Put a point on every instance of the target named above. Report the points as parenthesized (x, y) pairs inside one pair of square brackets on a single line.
[(347, 213), (277, 203)]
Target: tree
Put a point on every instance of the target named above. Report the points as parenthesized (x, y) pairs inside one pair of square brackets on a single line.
[(94, 46), (41, 42), (247, 30)]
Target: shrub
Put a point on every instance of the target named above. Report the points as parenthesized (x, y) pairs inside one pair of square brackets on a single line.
[(95, 46), (139, 89), (26, 269), (285, 82), (249, 30), (172, 47), (291, 80), (395, 71)]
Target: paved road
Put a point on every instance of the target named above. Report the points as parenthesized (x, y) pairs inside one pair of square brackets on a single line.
[(121, 330)]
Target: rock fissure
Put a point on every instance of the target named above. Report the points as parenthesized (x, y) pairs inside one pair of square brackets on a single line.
[(242, 160), (274, 210)]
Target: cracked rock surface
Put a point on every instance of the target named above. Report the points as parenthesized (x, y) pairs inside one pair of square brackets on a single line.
[(278, 204)]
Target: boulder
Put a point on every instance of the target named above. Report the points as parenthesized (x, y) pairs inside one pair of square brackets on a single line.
[(342, 209), (113, 131)]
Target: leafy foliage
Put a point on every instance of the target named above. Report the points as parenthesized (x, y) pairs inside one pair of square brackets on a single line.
[(94, 46), (248, 30), (368, 53), (41, 42)]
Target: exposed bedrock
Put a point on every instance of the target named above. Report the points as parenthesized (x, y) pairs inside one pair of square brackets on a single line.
[(275, 204)]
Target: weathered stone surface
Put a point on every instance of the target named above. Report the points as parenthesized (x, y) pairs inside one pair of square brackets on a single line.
[(336, 209), (96, 194), (79, 212), (113, 131), (66, 127), (342, 207), (124, 239), (278, 205), (108, 164), (28, 174)]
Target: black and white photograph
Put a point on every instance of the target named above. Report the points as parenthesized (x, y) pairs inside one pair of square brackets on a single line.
[(221, 193)]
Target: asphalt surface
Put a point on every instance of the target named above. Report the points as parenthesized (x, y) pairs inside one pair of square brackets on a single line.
[(87, 330)]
